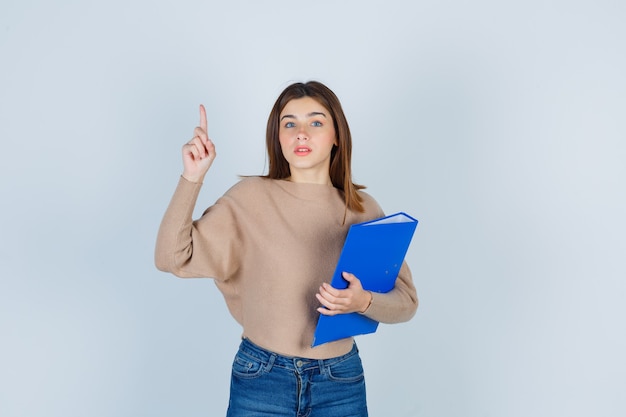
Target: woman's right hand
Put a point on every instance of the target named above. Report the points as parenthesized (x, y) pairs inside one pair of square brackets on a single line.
[(199, 152)]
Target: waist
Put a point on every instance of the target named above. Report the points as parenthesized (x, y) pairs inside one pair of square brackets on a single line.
[(292, 362), (293, 340)]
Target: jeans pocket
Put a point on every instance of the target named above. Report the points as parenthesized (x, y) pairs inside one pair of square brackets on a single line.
[(349, 370), (246, 366)]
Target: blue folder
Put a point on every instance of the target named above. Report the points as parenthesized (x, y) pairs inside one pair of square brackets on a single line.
[(373, 252)]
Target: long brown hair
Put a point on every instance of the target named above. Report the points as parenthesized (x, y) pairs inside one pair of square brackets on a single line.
[(341, 154)]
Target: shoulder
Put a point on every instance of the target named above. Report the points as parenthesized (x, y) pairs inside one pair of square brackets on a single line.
[(371, 206), (252, 189), (249, 185)]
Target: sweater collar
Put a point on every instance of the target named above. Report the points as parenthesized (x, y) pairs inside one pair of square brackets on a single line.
[(308, 191)]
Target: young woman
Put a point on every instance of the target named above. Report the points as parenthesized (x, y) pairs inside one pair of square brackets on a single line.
[(271, 244)]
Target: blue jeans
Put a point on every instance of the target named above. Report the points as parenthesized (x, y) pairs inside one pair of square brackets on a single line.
[(264, 383)]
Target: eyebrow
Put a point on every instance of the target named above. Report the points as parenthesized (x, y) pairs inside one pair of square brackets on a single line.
[(313, 113)]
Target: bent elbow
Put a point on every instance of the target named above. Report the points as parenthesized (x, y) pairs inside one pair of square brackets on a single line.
[(409, 310), (162, 264), (169, 265), (413, 309), (166, 262)]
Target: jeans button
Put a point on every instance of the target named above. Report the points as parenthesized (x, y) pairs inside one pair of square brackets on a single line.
[(299, 363)]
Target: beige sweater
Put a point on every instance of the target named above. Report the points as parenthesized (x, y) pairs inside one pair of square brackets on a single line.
[(269, 245)]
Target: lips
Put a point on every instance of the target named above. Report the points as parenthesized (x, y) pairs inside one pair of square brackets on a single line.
[(302, 150)]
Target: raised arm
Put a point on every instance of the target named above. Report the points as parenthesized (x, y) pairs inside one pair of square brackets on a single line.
[(175, 240)]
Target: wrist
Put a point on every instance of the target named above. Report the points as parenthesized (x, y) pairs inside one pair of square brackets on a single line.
[(193, 178), (369, 302)]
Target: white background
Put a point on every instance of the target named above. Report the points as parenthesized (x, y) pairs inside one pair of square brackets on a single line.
[(500, 125)]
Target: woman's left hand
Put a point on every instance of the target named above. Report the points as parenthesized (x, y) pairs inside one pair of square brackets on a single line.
[(352, 299)]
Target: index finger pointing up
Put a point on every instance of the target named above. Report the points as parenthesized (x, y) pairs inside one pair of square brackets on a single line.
[(203, 123)]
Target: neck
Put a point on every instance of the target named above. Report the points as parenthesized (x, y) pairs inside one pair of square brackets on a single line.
[(310, 178)]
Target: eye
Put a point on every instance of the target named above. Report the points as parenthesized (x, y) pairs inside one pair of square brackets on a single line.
[(290, 124), (316, 124)]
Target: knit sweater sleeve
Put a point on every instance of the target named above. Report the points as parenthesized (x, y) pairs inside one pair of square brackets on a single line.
[(203, 248)]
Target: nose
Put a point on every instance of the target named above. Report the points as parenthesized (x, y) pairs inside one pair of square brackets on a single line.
[(302, 134)]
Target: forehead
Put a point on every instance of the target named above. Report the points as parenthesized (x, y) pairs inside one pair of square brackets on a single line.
[(303, 106)]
